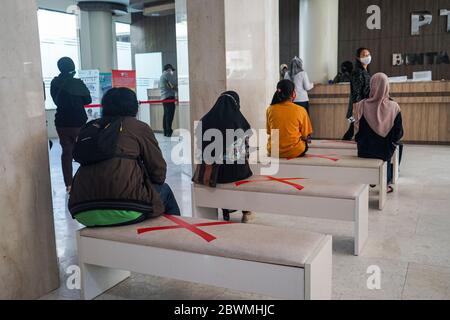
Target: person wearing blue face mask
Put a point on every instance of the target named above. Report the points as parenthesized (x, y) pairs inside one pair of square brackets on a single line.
[(360, 86)]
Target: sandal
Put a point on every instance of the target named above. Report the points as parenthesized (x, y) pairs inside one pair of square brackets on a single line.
[(247, 216), (390, 189)]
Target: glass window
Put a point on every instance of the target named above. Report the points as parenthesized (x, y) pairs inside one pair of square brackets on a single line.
[(59, 38), (123, 32)]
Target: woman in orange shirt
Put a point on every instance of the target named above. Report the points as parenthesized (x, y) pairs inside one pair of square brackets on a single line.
[(291, 121)]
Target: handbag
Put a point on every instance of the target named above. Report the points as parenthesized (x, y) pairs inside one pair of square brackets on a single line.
[(206, 174)]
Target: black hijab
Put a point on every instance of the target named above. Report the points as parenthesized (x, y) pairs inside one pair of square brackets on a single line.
[(66, 81), (225, 115)]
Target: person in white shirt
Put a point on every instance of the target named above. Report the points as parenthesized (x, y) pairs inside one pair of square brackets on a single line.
[(302, 84)]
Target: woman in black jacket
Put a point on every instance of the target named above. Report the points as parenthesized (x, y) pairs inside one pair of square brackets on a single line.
[(234, 166), (360, 86), (378, 124), (70, 96)]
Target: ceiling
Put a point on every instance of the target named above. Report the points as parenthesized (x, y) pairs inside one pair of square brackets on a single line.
[(141, 4)]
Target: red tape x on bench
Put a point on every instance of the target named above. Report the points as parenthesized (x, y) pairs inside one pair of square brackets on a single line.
[(181, 224), (280, 180)]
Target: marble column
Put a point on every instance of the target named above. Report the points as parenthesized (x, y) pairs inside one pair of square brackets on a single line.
[(319, 38), (28, 261), (182, 62), (97, 37), (233, 45)]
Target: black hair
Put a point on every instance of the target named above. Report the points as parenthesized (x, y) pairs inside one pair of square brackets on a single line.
[(358, 55), (120, 102), (285, 88), (347, 66), (168, 67), (66, 65)]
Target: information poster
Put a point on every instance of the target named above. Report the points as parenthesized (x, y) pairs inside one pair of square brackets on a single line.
[(91, 79), (105, 82), (124, 78)]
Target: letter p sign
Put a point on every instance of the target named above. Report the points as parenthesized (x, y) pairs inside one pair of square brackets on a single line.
[(418, 20)]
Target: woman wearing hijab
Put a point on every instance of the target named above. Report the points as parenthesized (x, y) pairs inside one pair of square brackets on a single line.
[(301, 80), (70, 96), (283, 70), (359, 86), (234, 166), (378, 123)]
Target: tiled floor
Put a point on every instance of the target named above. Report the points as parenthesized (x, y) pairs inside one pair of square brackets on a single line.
[(409, 241)]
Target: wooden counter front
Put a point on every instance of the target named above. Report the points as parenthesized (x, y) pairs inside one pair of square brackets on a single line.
[(425, 110)]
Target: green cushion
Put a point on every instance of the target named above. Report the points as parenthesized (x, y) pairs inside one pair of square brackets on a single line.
[(103, 218)]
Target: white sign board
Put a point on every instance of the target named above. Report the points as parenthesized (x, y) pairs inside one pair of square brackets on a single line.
[(422, 76), (398, 79), (91, 79)]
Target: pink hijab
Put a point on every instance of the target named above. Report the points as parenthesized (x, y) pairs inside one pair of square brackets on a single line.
[(379, 111)]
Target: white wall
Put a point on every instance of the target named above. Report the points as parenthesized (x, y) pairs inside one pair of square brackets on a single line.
[(319, 38)]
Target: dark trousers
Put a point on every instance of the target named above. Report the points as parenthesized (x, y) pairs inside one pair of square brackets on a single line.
[(67, 139), (304, 104), (169, 114), (350, 132), (304, 152), (168, 198), (390, 172)]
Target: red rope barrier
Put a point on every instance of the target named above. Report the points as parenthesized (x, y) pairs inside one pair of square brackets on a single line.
[(92, 106)]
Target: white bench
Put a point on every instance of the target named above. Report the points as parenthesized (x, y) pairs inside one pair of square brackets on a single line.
[(349, 148), (342, 169), (281, 263), (321, 200)]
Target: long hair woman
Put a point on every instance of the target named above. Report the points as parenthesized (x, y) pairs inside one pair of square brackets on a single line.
[(292, 122)]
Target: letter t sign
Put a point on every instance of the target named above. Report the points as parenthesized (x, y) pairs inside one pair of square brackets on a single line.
[(445, 12)]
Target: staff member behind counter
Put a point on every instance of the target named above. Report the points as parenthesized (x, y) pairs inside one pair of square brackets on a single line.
[(360, 86)]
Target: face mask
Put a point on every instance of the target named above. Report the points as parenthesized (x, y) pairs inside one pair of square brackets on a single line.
[(366, 61)]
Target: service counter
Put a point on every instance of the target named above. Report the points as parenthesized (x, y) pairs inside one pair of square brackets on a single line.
[(425, 110)]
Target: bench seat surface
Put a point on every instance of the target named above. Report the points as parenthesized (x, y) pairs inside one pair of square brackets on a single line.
[(327, 159), (249, 242), (311, 187), (332, 144)]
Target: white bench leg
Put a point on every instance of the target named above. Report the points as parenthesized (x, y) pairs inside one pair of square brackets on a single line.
[(396, 165), (361, 221), (319, 272), (205, 213), (383, 187), (202, 212), (96, 280)]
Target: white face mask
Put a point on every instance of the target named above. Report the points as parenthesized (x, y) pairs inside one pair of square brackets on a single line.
[(366, 61)]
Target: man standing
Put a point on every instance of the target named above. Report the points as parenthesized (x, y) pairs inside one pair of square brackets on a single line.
[(70, 96), (168, 86)]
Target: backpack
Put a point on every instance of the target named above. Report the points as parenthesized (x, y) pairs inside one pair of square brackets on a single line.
[(97, 141)]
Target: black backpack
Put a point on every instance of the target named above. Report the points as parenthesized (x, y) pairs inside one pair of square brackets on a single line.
[(97, 141)]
